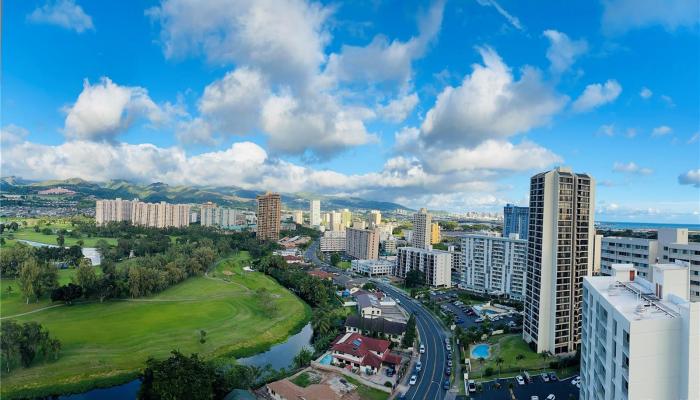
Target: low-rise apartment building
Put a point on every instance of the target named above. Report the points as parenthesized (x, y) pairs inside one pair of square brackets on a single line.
[(380, 267), (435, 265), (642, 253)]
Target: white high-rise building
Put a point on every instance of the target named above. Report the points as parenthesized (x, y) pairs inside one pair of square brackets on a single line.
[(435, 265), (626, 250), (112, 210), (315, 212), (422, 223), (674, 245), (640, 339), (494, 265), (560, 255)]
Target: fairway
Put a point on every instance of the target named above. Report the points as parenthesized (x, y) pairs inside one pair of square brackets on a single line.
[(106, 342)]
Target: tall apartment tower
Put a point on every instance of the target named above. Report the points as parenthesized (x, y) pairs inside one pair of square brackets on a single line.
[(269, 213), (422, 223), (375, 217), (560, 255), (515, 221), (315, 212), (362, 244)]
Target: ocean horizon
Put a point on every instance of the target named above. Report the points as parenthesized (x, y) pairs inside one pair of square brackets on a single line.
[(644, 225)]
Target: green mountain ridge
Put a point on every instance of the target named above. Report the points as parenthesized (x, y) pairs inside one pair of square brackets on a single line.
[(230, 196)]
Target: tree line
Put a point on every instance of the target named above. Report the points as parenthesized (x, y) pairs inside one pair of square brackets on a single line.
[(20, 344)]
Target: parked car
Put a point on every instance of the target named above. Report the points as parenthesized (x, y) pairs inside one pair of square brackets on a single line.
[(448, 347), (446, 384), (413, 380), (479, 320), (419, 366), (449, 363), (422, 349), (448, 371), (553, 377), (472, 386), (551, 397), (576, 380), (534, 397), (447, 340), (520, 380), (545, 377)]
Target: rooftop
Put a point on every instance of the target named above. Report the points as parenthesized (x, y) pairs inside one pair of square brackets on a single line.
[(635, 300)]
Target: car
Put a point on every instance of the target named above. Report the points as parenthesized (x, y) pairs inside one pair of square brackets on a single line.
[(448, 347), (479, 320), (422, 349), (472, 386), (419, 366), (576, 380), (534, 397), (448, 371), (447, 340), (545, 377), (449, 355), (551, 397), (578, 385), (520, 380), (446, 384), (401, 396), (459, 320), (449, 363), (553, 377), (413, 380)]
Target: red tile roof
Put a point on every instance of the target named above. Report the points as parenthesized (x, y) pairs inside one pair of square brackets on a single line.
[(359, 345)]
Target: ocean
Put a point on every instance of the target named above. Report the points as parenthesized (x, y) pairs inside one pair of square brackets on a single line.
[(643, 225)]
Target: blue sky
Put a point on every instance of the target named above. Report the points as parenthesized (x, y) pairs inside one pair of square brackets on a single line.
[(450, 105)]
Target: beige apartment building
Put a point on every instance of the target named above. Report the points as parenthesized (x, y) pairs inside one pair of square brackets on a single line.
[(154, 215), (362, 244), (269, 213), (422, 223)]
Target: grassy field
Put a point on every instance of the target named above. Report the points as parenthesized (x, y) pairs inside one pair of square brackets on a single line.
[(27, 233), (105, 343), (344, 265)]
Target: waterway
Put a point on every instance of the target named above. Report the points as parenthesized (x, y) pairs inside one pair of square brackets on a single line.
[(278, 356)]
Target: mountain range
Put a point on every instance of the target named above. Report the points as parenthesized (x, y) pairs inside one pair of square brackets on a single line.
[(230, 196)]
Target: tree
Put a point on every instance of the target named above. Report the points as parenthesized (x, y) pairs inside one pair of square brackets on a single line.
[(80, 242), (67, 293), (36, 228), (13, 226), (369, 286), (61, 240), (414, 278), (499, 361), (335, 259), (202, 336), (321, 321), (29, 279), (304, 357), (85, 277), (544, 356), (9, 343), (409, 336), (177, 377)]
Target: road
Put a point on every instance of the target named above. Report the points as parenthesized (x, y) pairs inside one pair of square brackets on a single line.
[(434, 360), (432, 376)]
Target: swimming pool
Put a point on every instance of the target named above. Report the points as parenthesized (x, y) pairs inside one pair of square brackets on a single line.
[(326, 360), (481, 351)]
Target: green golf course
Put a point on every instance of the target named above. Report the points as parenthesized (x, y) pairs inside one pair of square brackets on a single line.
[(107, 343)]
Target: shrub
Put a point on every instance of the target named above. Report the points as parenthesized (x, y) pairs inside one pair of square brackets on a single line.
[(388, 384), (488, 371)]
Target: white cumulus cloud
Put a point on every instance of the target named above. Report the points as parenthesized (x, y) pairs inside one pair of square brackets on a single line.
[(662, 130), (596, 95), (105, 109), (562, 51), (691, 177), (645, 93), (491, 103), (63, 13), (631, 168)]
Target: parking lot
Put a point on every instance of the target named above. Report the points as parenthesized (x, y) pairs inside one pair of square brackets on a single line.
[(562, 390), (460, 312)]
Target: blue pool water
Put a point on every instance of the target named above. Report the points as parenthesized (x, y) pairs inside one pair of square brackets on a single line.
[(480, 351), (490, 312), (326, 360)]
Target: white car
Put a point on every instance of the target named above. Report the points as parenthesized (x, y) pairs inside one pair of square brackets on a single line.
[(576, 380), (545, 377), (413, 380), (551, 397), (448, 347), (534, 398), (520, 380), (419, 366), (472, 386), (422, 349), (479, 320)]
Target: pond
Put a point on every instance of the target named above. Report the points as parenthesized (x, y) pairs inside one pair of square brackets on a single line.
[(88, 252), (481, 351), (279, 356)]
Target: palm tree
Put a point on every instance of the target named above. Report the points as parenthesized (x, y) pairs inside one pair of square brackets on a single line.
[(520, 357), (481, 364), (544, 359), (499, 361)]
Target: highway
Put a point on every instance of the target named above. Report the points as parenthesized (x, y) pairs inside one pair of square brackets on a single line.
[(432, 336)]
